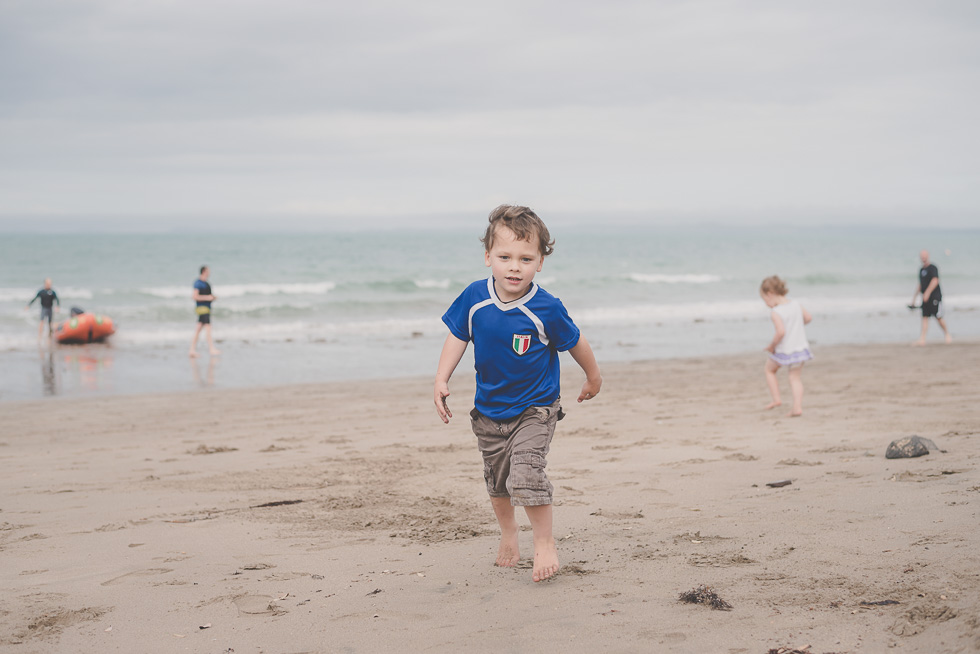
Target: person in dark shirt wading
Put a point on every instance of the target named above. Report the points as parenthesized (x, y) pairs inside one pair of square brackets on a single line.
[(203, 297), (48, 305), (932, 298)]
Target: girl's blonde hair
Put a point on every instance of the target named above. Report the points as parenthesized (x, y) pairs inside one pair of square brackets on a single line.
[(774, 285)]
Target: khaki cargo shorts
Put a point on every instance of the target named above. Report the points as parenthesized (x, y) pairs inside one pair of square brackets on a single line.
[(514, 453)]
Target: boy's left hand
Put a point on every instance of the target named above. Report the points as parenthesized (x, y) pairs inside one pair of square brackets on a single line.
[(590, 389), (440, 393)]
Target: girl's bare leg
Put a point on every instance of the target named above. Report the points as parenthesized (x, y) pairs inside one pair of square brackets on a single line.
[(796, 384), (772, 383)]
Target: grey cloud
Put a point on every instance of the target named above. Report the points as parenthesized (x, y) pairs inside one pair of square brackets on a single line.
[(312, 107), (187, 59)]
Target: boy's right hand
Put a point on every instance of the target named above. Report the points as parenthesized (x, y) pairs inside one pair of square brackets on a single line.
[(440, 393)]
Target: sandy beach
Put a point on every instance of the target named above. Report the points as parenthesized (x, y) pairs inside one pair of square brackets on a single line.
[(346, 518)]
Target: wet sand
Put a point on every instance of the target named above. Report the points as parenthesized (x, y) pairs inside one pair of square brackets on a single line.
[(347, 518)]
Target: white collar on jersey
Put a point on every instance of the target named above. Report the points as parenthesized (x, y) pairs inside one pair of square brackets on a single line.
[(519, 302)]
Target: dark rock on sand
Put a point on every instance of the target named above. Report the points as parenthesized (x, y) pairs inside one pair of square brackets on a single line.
[(910, 447)]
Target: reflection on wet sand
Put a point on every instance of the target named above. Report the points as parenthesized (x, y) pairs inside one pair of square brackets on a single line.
[(83, 367), (49, 374), (99, 368), (207, 380)]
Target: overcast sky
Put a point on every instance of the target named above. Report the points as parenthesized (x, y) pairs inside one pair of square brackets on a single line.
[(317, 110)]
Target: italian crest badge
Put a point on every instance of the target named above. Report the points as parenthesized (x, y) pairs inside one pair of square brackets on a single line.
[(521, 343)]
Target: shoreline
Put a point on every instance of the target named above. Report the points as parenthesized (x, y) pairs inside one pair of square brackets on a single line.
[(203, 370), (345, 516)]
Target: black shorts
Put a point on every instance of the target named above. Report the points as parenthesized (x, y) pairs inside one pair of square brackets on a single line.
[(933, 308), (204, 318), (47, 314)]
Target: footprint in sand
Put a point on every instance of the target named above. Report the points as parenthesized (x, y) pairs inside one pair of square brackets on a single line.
[(54, 621), (258, 605), (618, 515), (718, 560), (149, 572), (741, 457)]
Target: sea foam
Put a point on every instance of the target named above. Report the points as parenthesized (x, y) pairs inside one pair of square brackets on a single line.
[(239, 290), (660, 278), (432, 283), (25, 295)]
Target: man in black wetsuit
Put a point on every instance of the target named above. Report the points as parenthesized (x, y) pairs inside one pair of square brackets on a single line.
[(932, 298), (48, 300)]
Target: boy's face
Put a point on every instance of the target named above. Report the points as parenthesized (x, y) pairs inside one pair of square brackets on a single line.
[(513, 263)]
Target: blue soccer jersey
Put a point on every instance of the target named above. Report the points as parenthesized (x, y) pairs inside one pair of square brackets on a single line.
[(515, 346)]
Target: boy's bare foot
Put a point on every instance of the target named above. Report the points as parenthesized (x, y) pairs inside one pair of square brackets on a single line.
[(545, 560), (772, 405), (192, 354), (214, 351), (949, 339), (795, 414), (918, 343), (509, 554)]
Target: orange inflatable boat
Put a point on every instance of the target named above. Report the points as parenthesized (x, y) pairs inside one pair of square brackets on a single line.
[(84, 328)]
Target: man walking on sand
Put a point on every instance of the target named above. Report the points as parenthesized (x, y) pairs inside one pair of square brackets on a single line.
[(932, 298), (203, 297)]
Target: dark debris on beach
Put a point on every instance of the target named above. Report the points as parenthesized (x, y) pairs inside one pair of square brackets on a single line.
[(277, 503), (704, 595)]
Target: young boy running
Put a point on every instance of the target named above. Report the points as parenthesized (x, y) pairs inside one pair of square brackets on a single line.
[(517, 329)]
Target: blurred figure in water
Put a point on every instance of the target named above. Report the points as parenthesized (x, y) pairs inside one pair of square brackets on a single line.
[(203, 297), (49, 304), (932, 298)]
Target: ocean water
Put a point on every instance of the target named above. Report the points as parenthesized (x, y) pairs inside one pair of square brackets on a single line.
[(298, 308)]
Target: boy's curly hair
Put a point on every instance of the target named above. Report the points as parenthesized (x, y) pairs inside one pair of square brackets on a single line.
[(774, 285), (523, 222)]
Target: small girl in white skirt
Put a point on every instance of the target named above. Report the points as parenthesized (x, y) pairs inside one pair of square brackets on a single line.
[(789, 346)]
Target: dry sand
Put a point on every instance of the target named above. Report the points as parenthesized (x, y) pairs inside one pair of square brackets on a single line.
[(127, 524)]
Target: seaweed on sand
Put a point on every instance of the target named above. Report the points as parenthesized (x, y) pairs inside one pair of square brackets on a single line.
[(704, 595)]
